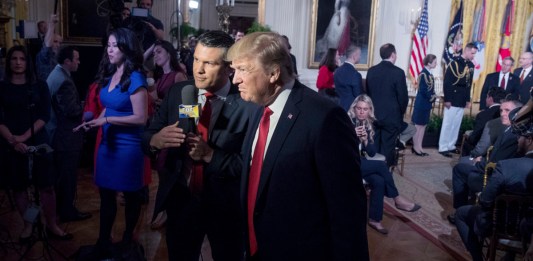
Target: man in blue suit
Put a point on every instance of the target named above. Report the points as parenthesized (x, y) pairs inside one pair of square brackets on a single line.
[(503, 79), (348, 81), (302, 193)]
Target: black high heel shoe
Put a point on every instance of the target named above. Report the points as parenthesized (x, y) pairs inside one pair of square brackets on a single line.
[(421, 154)]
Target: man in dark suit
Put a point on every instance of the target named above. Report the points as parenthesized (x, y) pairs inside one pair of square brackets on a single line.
[(66, 114), (492, 100), (457, 84), (35, 44), (512, 176), (348, 81), (302, 193), (504, 79), (467, 178), (205, 201), (525, 76), (386, 85)]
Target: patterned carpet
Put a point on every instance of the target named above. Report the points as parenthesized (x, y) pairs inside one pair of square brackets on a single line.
[(427, 180)]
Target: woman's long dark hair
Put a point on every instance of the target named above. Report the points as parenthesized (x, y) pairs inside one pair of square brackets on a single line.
[(130, 46), (330, 60), (174, 63), (29, 73)]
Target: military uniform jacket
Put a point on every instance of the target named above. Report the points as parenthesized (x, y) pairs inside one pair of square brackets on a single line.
[(458, 82)]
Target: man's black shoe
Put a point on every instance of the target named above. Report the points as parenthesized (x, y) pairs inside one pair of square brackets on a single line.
[(451, 218), (400, 145), (445, 154), (456, 151), (76, 217)]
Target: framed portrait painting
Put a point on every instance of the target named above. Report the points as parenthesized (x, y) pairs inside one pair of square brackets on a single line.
[(83, 22), (336, 24)]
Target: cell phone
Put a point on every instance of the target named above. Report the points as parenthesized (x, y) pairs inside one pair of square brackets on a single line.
[(358, 123)]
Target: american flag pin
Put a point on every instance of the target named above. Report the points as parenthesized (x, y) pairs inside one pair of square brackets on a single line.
[(290, 116)]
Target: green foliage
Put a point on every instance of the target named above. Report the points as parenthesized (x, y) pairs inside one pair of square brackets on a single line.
[(257, 27), (435, 123), (467, 124), (185, 30)]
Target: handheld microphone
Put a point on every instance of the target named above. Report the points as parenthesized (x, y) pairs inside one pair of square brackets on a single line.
[(189, 107)]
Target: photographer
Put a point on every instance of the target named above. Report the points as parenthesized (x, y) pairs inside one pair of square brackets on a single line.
[(148, 28)]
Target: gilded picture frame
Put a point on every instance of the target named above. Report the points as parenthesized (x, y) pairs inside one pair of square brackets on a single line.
[(326, 18), (81, 24)]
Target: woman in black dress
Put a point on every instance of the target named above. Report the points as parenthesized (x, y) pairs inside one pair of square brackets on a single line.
[(24, 102)]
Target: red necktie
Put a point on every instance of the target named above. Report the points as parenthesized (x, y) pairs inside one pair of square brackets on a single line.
[(502, 83), (522, 76), (203, 130), (255, 174)]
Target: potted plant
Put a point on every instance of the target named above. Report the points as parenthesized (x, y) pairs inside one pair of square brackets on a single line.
[(185, 30), (257, 27), (431, 136)]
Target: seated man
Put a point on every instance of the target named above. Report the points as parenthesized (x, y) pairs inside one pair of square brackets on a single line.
[(494, 97), (468, 178), (493, 129), (408, 131), (509, 177)]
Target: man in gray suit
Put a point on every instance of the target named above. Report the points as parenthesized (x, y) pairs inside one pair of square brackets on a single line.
[(66, 114)]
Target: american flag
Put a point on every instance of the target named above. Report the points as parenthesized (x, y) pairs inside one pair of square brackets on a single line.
[(420, 43)]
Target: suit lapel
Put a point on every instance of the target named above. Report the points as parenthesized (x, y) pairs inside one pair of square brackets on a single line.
[(221, 107), (286, 121)]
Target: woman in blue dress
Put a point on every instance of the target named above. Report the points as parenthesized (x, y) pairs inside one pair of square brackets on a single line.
[(373, 170), (423, 103), (119, 160)]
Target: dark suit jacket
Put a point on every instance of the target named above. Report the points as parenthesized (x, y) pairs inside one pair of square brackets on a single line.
[(492, 80), (504, 148), (511, 176), (386, 85), (523, 90), (311, 204), (66, 112), (481, 119), (457, 91), (226, 133), (348, 84)]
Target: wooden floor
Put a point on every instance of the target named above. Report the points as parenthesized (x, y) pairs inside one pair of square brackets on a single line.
[(402, 242)]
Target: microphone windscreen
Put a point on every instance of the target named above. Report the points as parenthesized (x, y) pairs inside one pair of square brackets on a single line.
[(88, 115), (187, 95)]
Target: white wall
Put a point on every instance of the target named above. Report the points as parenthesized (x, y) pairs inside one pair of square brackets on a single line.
[(209, 15)]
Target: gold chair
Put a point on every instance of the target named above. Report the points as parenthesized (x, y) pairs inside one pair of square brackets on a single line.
[(489, 168), (400, 156), (509, 211)]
